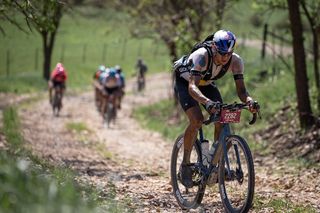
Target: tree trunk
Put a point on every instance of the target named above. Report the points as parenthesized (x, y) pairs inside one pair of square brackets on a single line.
[(46, 58), (315, 47), (316, 65), (301, 80), (47, 50)]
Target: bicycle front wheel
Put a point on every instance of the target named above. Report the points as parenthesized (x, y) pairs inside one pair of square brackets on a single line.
[(237, 187), (187, 198)]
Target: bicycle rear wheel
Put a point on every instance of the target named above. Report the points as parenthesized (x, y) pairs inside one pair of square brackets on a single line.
[(111, 113), (187, 198), (56, 106), (237, 188)]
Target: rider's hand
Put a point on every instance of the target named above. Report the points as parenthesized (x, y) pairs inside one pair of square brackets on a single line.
[(253, 105), (212, 107)]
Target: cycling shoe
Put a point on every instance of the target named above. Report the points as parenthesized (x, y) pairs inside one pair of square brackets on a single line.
[(186, 175)]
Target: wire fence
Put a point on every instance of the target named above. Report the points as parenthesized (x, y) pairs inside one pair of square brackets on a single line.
[(121, 52)]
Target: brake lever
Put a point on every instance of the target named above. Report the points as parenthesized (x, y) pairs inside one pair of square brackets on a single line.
[(254, 119)]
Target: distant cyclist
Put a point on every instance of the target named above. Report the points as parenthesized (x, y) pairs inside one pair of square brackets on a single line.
[(110, 81), (141, 68), (122, 84), (58, 78), (196, 84), (97, 86)]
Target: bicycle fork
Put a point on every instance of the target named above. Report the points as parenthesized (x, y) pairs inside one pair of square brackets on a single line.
[(226, 131)]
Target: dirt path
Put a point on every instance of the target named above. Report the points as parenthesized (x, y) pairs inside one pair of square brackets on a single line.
[(137, 161)]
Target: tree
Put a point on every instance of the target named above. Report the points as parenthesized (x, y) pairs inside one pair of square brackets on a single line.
[(311, 10), (178, 23), (44, 16), (301, 80)]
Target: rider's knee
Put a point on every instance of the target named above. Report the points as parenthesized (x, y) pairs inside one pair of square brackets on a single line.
[(196, 122)]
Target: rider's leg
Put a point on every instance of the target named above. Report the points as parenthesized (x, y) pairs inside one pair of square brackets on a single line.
[(217, 130), (195, 121), (62, 94), (104, 105), (121, 94), (194, 114), (50, 91), (117, 97), (96, 96)]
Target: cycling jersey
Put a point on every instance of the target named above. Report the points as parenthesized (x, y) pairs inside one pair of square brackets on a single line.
[(110, 82), (59, 75), (198, 67)]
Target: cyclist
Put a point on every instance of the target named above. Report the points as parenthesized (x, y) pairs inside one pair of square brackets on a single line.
[(122, 84), (58, 78), (97, 87), (110, 82), (197, 86), (142, 68)]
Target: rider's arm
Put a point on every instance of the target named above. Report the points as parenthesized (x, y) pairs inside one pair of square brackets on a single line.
[(199, 64), (237, 69)]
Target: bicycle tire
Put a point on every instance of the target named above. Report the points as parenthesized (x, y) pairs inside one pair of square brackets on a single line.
[(177, 186), (228, 202), (111, 113), (56, 106)]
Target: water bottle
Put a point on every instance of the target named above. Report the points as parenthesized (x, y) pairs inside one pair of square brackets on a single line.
[(205, 152)]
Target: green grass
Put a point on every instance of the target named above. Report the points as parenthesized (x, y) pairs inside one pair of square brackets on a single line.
[(80, 44), (157, 117), (281, 205), (29, 184)]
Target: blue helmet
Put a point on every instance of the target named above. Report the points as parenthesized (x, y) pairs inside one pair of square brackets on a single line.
[(112, 72), (224, 41)]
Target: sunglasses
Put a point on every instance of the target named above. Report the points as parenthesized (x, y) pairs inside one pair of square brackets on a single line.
[(224, 53)]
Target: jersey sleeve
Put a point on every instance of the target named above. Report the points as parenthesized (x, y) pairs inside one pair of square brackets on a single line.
[(237, 66), (198, 61)]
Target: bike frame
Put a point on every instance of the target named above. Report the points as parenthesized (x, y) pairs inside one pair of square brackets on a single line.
[(220, 148)]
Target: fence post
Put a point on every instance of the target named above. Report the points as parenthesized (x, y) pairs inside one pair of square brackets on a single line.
[(36, 59), (265, 33), (84, 53), (8, 62)]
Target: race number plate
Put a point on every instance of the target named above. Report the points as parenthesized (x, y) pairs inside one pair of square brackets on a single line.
[(228, 116)]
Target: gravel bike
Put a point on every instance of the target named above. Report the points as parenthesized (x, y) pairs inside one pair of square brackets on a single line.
[(228, 162), (57, 101)]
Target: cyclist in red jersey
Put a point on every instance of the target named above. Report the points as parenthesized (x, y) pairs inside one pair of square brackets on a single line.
[(58, 78)]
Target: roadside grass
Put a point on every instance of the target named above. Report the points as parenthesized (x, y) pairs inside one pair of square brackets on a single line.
[(156, 118), (30, 184), (281, 205)]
